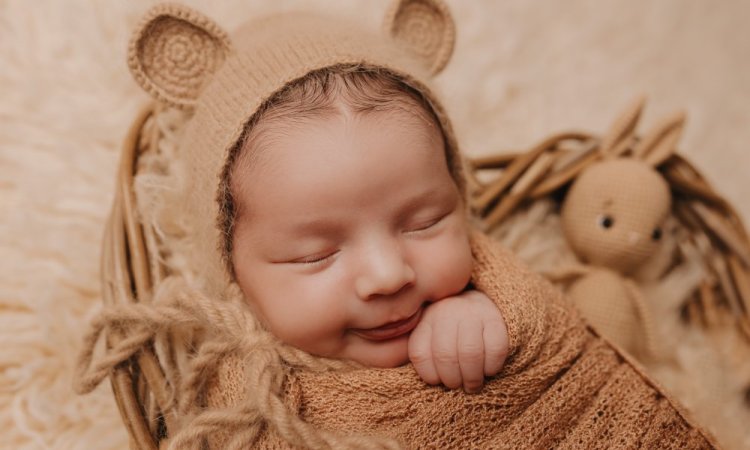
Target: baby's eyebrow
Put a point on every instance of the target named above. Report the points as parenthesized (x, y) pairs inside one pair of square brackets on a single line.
[(317, 226), (422, 198)]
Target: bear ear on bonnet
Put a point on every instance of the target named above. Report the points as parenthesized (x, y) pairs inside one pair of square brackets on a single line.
[(174, 51), (425, 28)]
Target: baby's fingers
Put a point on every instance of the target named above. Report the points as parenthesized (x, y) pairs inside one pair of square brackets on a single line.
[(445, 354), (420, 353), (495, 347), (471, 355)]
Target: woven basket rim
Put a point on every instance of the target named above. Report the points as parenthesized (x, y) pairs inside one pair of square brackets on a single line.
[(547, 169)]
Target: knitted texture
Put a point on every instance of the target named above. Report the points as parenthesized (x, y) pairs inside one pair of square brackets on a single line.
[(613, 217), (181, 50), (264, 56), (612, 211), (617, 315), (429, 29), (562, 386)]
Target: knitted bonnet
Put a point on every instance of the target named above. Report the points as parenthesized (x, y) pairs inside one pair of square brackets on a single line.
[(185, 60)]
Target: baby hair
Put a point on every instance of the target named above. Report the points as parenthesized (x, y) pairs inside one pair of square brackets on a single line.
[(320, 94)]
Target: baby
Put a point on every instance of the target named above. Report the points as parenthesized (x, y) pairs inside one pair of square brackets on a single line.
[(325, 200), (349, 236)]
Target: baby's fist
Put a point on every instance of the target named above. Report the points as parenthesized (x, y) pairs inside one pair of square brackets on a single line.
[(459, 341)]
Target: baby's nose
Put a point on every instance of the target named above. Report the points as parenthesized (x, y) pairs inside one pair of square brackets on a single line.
[(385, 272)]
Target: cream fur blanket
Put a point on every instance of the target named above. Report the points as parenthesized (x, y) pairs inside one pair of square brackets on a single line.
[(521, 70)]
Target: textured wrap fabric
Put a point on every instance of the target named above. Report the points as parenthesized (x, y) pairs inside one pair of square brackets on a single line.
[(562, 386)]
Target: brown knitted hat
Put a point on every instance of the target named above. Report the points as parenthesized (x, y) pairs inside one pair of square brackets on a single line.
[(185, 60)]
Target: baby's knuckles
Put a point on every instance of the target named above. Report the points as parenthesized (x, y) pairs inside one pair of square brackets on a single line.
[(468, 305), (467, 313)]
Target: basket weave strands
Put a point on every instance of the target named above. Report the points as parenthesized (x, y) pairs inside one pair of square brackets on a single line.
[(130, 267), (504, 184)]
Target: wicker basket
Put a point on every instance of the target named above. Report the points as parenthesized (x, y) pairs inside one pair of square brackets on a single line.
[(517, 198), (506, 184), (132, 265)]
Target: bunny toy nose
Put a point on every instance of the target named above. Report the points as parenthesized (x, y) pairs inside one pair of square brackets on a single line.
[(633, 237)]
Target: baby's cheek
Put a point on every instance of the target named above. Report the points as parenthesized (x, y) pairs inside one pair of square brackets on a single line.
[(310, 320), (451, 266)]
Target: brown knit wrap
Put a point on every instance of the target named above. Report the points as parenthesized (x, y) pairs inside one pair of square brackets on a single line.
[(562, 386)]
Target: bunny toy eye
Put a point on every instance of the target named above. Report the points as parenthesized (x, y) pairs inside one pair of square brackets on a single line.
[(606, 221), (656, 235)]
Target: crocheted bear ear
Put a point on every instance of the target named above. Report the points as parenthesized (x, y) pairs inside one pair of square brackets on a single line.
[(174, 51), (426, 28)]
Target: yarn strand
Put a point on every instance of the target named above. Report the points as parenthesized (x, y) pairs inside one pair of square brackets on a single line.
[(228, 329)]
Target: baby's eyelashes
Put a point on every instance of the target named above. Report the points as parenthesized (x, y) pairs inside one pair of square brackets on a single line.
[(426, 225), (313, 261), (316, 260)]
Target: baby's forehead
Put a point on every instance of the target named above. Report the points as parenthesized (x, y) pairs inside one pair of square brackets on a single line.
[(336, 136), (344, 164)]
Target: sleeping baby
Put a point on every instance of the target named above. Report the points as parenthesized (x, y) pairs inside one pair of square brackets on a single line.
[(322, 185)]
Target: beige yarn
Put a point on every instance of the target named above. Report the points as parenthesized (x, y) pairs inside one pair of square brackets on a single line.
[(427, 27), (231, 331), (614, 216), (630, 194), (617, 309), (177, 52)]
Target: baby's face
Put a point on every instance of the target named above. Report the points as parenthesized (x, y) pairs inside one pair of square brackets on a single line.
[(353, 225)]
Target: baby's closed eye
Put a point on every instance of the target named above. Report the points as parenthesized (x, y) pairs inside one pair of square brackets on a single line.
[(426, 224), (316, 258)]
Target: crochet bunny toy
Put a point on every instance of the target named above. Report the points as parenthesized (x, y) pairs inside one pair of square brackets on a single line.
[(613, 218)]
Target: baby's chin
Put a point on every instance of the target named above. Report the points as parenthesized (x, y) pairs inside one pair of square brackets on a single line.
[(382, 354)]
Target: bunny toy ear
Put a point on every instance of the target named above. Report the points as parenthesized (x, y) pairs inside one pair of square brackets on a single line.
[(174, 51), (616, 141), (659, 144), (426, 28)]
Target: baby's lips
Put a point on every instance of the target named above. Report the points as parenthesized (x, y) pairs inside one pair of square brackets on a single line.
[(390, 330)]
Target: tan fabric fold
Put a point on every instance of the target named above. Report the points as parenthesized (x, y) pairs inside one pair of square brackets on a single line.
[(562, 385)]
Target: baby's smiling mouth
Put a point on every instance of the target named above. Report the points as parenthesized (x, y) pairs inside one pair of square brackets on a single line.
[(390, 330)]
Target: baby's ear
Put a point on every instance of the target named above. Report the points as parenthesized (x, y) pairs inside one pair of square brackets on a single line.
[(174, 51), (661, 142), (424, 27)]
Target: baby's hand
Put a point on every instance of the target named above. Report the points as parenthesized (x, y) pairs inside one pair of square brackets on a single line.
[(459, 341)]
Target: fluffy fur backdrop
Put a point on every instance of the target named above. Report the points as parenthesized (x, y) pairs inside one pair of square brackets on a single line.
[(521, 70)]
